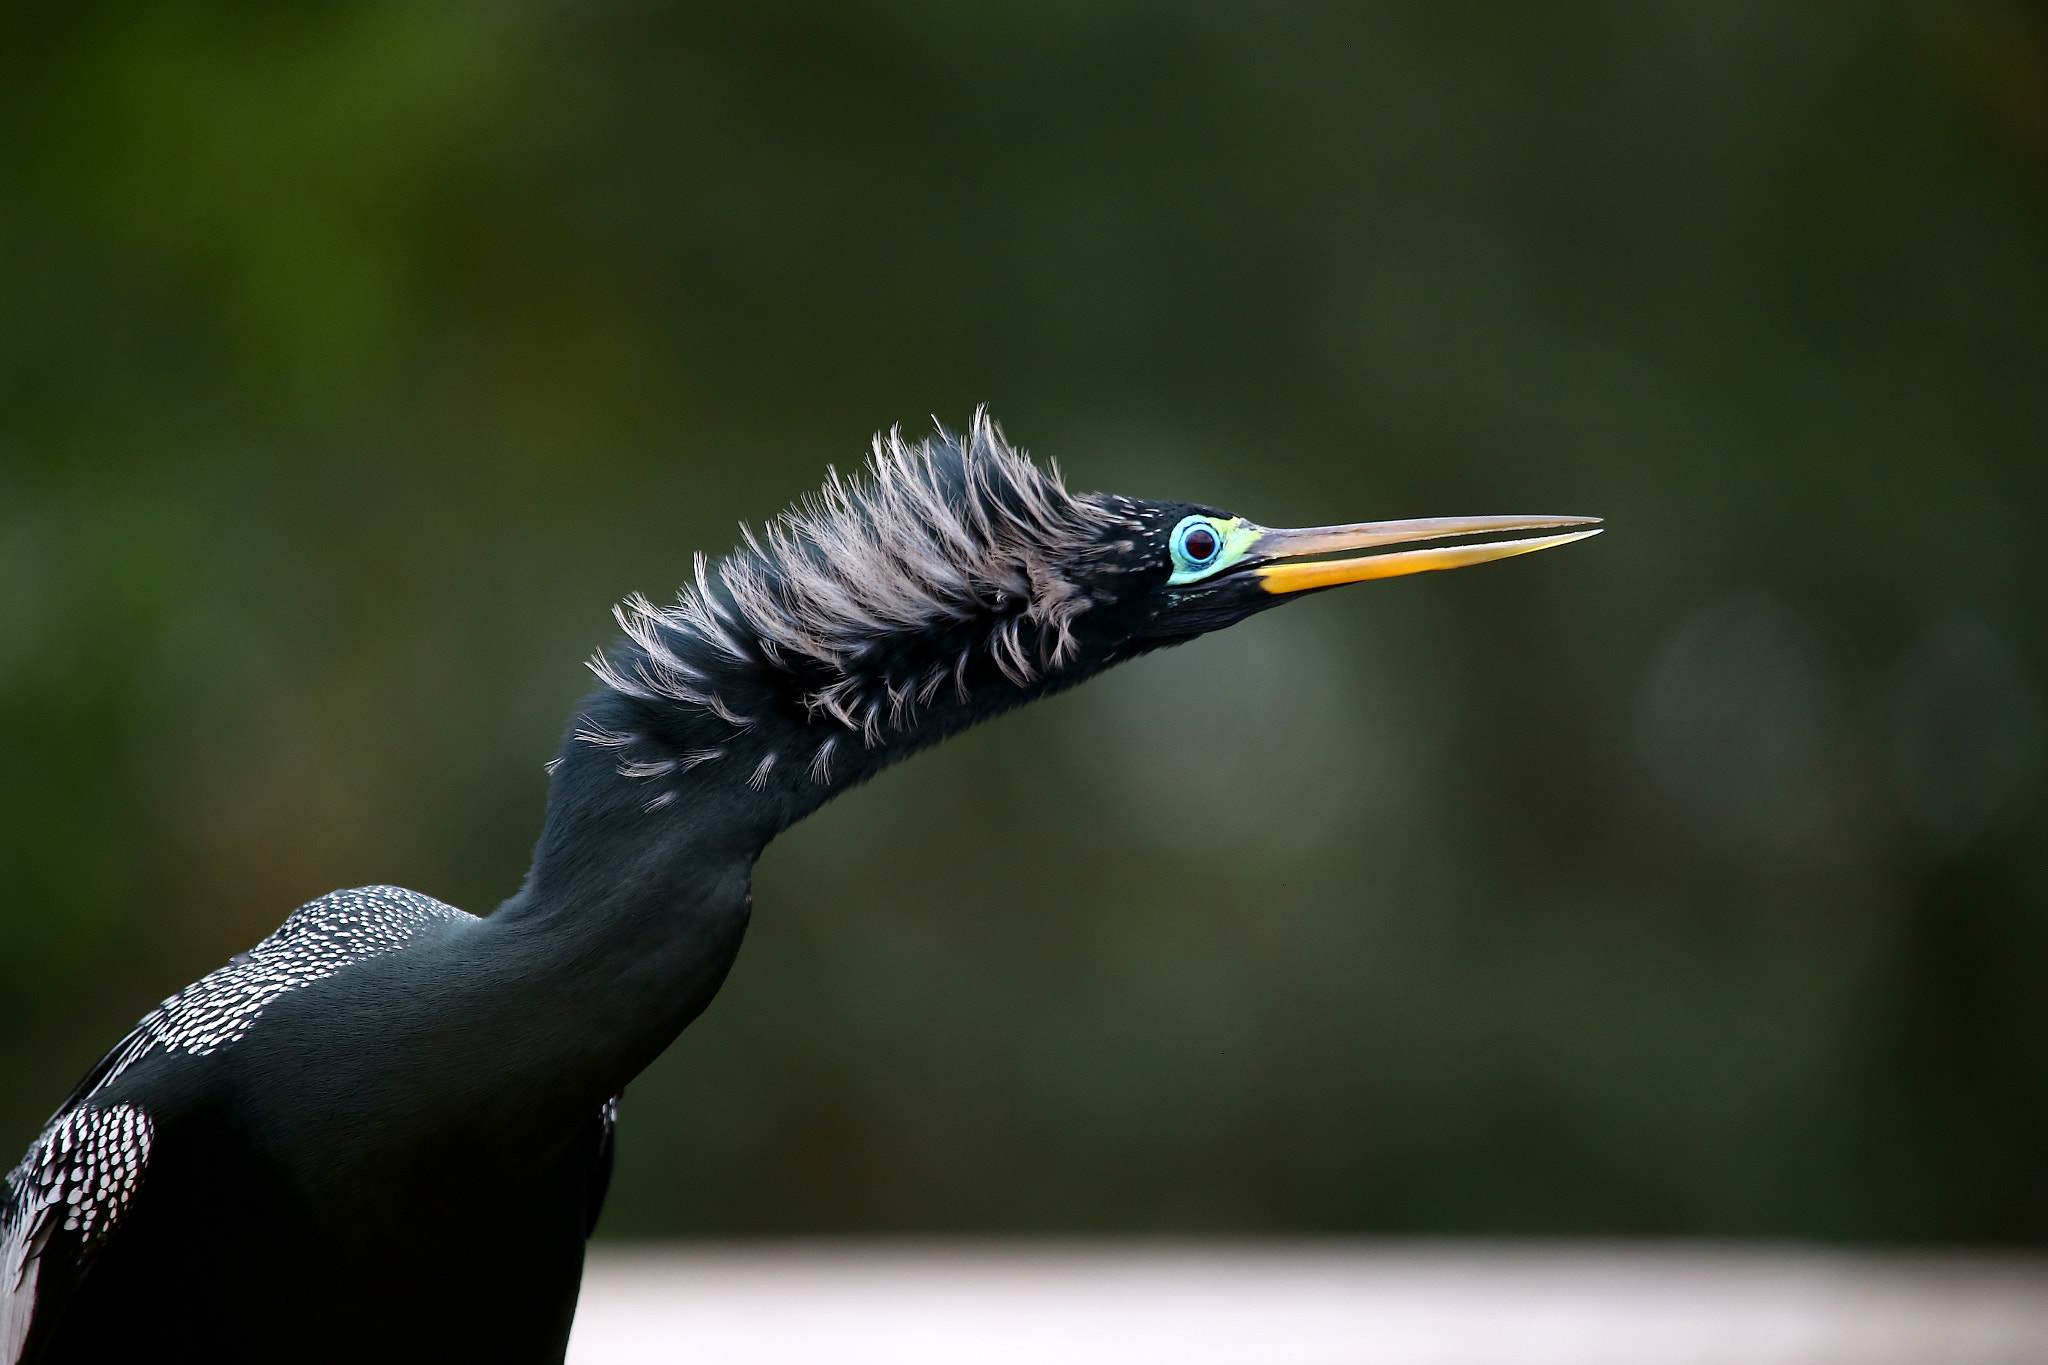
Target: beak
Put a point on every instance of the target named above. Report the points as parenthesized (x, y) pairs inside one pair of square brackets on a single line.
[(1297, 576)]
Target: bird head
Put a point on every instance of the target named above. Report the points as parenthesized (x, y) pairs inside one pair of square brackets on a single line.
[(951, 581), (1194, 569)]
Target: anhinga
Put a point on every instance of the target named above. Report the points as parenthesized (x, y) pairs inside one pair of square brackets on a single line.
[(385, 1132)]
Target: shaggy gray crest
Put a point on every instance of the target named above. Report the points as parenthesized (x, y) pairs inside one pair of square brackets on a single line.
[(953, 531)]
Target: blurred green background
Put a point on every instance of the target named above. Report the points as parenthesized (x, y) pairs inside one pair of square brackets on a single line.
[(357, 356)]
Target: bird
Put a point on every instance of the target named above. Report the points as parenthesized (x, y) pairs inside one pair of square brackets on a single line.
[(386, 1131)]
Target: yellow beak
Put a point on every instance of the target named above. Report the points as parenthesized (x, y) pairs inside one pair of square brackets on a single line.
[(1328, 573)]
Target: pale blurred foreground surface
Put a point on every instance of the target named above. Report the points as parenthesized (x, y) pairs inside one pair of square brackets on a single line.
[(1352, 1303)]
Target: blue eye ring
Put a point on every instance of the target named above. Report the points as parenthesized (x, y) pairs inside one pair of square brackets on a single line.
[(1189, 536)]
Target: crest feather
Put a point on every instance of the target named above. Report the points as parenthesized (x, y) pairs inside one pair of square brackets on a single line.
[(951, 531)]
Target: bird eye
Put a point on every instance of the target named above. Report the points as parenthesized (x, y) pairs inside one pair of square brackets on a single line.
[(1196, 544), (1204, 546)]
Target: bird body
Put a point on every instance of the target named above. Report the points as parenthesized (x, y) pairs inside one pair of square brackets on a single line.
[(386, 1131)]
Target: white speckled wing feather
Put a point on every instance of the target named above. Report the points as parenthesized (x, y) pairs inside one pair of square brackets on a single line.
[(318, 940), (69, 1192), (66, 1195)]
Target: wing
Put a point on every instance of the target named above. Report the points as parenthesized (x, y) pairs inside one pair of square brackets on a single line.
[(319, 938), (58, 1208)]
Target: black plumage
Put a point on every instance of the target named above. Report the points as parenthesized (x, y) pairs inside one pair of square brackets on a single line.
[(385, 1132)]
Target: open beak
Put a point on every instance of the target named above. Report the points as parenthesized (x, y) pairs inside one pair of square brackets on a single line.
[(1301, 572)]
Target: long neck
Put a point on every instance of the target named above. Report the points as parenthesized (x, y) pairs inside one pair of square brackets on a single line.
[(639, 892), (638, 896)]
